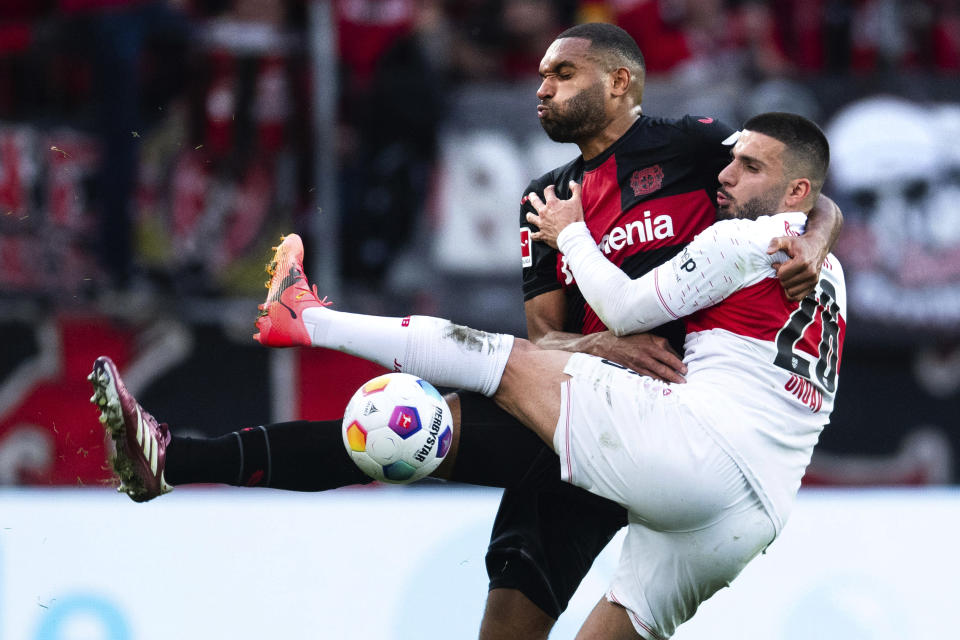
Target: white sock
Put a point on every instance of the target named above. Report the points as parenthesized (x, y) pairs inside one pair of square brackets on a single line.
[(437, 350)]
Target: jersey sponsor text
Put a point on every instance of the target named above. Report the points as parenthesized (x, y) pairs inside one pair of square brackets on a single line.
[(638, 232)]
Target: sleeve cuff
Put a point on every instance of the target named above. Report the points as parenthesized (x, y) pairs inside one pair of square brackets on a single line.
[(570, 233)]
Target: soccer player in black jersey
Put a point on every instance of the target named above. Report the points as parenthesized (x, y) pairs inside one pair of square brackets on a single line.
[(649, 186)]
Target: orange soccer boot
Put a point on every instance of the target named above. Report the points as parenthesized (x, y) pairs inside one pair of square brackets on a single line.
[(280, 323)]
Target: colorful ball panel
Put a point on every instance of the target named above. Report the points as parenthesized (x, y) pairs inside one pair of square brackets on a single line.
[(445, 439), (399, 471), (377, 384), (357, 436), (431, 390), (405, 421)]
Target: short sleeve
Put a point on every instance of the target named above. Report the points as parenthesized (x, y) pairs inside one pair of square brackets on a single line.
[(711, 141), (538, 259)]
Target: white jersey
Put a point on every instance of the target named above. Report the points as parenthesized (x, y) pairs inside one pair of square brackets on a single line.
[(762, 371)]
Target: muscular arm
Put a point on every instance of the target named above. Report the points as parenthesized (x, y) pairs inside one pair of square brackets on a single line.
[(646, 354), (799, 274)]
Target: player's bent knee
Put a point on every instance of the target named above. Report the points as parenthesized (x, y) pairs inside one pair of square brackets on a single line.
[(530, 387), (608, 621), (526, 356), (522, 345)]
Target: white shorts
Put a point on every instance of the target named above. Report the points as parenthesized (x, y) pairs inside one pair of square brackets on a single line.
[(694, 521)]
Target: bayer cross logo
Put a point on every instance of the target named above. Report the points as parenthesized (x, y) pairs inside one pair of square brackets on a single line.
[(644, 181)]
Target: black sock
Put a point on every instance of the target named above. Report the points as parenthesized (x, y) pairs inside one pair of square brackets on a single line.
[(298, 456), (495, 449)]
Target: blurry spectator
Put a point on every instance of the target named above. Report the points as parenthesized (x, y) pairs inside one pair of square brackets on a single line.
[(365, 30), (503, 40), (245, 86), (525, 30), (803, 25), (238, 175), (529, 26), (753, 30), (710, 34), (476, 35), (386, 173), (658, 26), (868, 36), (945, 39), (18, 22), (397, 117), (119, 31)]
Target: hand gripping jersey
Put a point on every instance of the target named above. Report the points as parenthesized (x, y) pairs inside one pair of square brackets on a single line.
[(644, 198), (761, 370)]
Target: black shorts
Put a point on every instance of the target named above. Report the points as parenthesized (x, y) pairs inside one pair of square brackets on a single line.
[(547, 533)]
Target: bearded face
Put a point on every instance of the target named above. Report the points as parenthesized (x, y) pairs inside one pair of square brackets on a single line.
[(578, 118), (751, 208)]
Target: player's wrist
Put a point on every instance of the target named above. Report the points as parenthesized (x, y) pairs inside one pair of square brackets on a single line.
[(570, 233), (599, 344)]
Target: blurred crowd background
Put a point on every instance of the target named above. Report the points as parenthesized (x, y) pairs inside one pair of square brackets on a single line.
[(151, 152)]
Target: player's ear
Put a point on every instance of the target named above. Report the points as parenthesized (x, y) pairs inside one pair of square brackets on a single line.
[(620, 81), (798, 190)]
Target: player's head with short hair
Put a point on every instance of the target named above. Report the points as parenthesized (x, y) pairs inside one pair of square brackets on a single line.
[(611, 47), (807, 153), (592, 76), (779, 163)]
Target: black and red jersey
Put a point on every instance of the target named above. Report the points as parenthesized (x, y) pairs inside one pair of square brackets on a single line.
[(644, 198)]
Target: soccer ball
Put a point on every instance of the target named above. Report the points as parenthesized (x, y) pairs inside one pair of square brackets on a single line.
[(397, 428)]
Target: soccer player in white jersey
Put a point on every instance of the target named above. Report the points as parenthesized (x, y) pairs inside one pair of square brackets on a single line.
[(708, 470)]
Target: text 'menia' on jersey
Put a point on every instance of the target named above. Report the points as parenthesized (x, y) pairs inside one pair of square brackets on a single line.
[(644, 198), (761, 370)]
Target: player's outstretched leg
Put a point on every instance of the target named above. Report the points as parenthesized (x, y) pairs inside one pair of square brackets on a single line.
[(432, 348), (280, 323), (140, 442)]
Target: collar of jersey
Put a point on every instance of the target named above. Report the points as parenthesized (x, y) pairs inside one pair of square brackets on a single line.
[(593, 163)]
